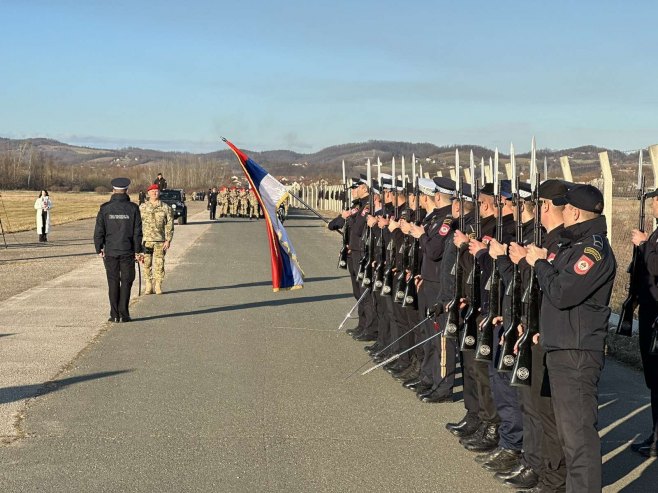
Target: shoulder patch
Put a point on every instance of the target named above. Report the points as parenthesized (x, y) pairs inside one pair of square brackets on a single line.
[(598, 241), (583, 265), (551, 257), (354, 211), (594, 253), (448, 221), (444, 229)]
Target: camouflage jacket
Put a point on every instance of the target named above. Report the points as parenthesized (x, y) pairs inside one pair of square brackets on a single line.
[(157, 221)]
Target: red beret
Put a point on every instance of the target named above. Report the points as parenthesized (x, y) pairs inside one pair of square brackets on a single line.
[(153, 187)]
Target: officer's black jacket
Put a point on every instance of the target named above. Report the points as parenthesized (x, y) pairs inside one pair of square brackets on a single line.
[(118, 228), (488, 230), (357, 225), (212, 198), (506, 267), (447, 286), (646, 271), (576, 288), (437, 226)]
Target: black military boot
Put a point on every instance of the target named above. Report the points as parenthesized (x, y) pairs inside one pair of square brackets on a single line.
[(412, 383), (476, 436), (486, 457), (488, 441), (505, 461), (467, 426), (525, 480)]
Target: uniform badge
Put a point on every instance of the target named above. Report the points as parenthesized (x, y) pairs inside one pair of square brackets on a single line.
[(354, 211), (444, 229), (583, 265), (551, 257)]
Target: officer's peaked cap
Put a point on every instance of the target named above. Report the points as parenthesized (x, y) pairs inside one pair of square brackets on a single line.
[(584, 197), (120, 183), (444, 185)]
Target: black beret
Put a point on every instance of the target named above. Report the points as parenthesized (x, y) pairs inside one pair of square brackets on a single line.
[(584, 197)]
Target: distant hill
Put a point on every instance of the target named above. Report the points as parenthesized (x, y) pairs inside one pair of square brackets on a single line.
[(325, 163)]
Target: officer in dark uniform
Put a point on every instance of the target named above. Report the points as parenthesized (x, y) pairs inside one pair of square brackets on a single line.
[(646, 276), (118, 240), (356, 220), (576, 290), (543, 464), (432, 233), (212, 203), (160, 182)]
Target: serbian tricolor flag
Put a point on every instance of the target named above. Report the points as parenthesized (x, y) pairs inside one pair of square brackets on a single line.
[(286, 273)]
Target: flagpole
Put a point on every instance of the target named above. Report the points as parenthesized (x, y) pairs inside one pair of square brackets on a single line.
[(312, 209)]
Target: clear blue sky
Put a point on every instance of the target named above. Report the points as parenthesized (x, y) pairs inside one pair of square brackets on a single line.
[(302, 75)]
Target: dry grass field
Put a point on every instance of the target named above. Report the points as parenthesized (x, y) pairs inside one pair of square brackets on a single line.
[(18, 214)]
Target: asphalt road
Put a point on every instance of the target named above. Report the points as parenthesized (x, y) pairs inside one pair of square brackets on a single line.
[(223, 385)]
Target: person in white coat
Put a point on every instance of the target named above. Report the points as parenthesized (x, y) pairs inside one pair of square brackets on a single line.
[(43, 204)]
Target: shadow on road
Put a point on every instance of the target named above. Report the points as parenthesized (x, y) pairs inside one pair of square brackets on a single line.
[(6, 335), (247, 306), (46, 257), (20, 392), (250, 285)]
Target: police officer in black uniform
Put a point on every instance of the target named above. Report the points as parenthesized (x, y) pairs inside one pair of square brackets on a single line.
[(118, 240), (576, 290), (646, 276), (212, 203)]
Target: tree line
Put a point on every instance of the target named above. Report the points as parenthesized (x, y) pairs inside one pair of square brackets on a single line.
[(27, 168)]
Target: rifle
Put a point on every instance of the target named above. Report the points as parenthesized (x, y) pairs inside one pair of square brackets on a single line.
[(452, 324), (401, 278), (387, 281), (383, 258), (365, 260), (470, 326), (370, 241), (625, 324), (483, 351), (521, 375), (410, 292), (515, 290), (342, 256)]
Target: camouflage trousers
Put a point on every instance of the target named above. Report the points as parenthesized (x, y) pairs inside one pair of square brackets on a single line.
[(156, 259), (222, 208)]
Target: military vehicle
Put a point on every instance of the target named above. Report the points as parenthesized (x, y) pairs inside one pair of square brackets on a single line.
[(175, 198)]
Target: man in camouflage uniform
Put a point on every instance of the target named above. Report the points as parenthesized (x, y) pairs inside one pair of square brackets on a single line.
[(243, 203), (222, 202), (158, 231), (253, 206), (233, 202)]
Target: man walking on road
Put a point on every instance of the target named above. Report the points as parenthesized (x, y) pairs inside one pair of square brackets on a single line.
[(158, 221), (118, 240)]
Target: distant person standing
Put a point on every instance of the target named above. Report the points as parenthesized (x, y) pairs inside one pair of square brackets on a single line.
[(160, 182), (158, 222), (43, 204), (212, 203), (118, 240), (142, 197)]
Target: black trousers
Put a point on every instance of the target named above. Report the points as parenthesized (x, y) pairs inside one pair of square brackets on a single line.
[(120, 273), (471, 401), (430, 366), (553, 467), (647, 314), (507, 403), (574, 378), (213, 210), (367, 314)]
